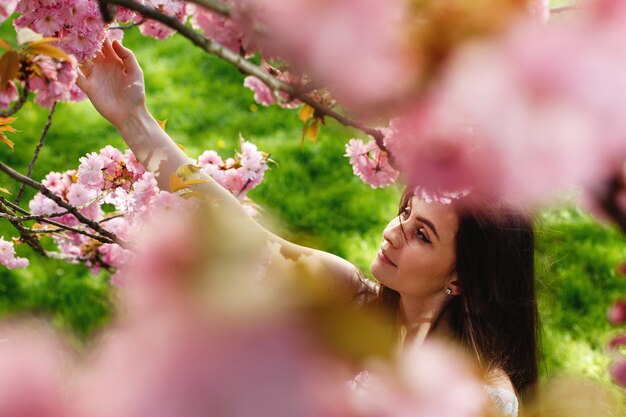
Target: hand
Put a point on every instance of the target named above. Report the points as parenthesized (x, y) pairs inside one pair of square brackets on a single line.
[(113, 81)]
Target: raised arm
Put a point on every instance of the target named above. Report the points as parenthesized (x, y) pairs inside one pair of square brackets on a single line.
[(114, 84)]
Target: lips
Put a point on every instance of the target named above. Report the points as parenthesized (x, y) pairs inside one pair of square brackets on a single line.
[(384, 258)]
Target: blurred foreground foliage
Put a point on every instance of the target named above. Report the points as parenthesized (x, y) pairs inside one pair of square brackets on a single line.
[(311, 198)]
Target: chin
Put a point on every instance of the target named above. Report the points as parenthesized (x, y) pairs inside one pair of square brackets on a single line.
[(377, 270)]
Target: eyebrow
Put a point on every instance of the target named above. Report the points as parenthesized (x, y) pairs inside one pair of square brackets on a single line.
[(429, 224)]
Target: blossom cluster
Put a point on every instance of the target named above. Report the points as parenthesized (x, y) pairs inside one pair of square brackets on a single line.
[(370, 163), (112, 188), (239, 174), (506, 120), (77, 24), (50, 79), (7, 256)]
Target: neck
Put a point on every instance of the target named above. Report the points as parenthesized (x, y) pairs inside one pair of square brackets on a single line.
[(425, 318)]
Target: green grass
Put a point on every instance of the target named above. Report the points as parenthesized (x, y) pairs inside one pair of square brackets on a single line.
[(310, 196)]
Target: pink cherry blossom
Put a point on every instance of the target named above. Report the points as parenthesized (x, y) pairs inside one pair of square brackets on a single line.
[(7, 256), (433, 380), (618, 371), (209, 157), (355, 47), (90, 171), (503, 118), (7, 7), (262, 93), (156, 29), (370, 164), (9, 95), (617, 312), (223, 30)]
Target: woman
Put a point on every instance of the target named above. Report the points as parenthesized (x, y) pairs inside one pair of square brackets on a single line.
[(444, 271)]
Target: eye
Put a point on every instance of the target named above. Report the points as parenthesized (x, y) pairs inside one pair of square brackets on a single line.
[(421, 235), (406, 213)]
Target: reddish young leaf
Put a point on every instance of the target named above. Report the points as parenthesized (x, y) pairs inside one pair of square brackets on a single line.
[(9, 67)]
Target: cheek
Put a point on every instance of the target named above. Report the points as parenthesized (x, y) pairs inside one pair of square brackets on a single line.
[(424, 270)]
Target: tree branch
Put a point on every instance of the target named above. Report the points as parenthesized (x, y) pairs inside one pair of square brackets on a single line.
[(244, 66), (47, 219), (214, 5), (25, 234), (36, 154), (62, 203)]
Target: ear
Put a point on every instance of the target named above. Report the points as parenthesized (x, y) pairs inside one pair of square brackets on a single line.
[(454, 285)]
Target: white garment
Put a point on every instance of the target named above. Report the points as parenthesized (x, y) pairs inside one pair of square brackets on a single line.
[(504, 399)]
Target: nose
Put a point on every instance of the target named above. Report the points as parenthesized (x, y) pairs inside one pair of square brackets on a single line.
[(393, 235)]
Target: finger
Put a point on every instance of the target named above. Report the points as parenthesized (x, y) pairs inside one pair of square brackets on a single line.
[(108, 52), (126, 55), (86, 68), (81, 81)]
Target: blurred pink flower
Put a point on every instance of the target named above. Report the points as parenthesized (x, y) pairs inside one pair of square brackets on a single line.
[(433, 380), (223, 30), (617, 313), (31, 372), (618, 371), (508, 120), (7, 7), (354, 47), (540, 10)]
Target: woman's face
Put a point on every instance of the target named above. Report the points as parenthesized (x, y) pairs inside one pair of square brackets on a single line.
[(417, 255)]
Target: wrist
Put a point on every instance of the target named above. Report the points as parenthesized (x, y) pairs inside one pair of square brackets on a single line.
[(135, 123)]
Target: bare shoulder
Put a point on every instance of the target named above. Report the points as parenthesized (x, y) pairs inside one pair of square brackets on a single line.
[(342, 275)]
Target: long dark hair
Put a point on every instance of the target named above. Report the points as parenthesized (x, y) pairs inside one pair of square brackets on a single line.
[(495, 317)]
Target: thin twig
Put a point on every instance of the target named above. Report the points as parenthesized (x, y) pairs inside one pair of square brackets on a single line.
[(127, 27), (18, 105), (25, 235), (244, 66), (73, 210), (36, 154), (42, 218)]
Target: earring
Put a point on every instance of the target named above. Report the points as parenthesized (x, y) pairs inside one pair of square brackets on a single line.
[(448, 291)]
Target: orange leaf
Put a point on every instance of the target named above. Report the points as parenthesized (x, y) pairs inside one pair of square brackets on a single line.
[(310, 131), (39, 48), (7, 120), (6, 140), (4, 44), (42, 41), (180, 179), (306, 112), (162, 123), (9, 66), (7, 128)]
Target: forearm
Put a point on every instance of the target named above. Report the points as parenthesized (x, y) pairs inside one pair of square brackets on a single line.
[(159, 154)]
